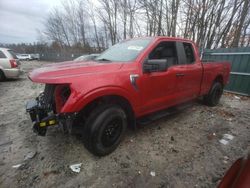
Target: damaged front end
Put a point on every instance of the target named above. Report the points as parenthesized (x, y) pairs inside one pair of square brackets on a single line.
[(44, 111)]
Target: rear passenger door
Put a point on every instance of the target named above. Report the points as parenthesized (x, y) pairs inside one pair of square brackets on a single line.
[(188, 72)]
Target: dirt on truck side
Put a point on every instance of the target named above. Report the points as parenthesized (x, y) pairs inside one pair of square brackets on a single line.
[(183, 150)]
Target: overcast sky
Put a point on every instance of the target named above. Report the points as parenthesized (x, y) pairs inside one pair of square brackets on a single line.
[(20, 19)]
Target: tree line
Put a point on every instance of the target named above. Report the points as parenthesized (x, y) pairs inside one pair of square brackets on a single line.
[(81, 26), (210, 23)]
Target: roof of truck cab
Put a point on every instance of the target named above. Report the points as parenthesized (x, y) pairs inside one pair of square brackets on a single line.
[(172, 38), (163, 37)]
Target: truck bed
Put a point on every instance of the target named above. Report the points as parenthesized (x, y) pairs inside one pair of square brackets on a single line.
[(210, 68)]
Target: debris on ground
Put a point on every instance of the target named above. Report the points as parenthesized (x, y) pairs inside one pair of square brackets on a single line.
[(30, 155), (223, 141), (17, 166), (236, 97), (76, 167), (228, 136), (152, 173), (225, 159), (211, 136), (226, 114)]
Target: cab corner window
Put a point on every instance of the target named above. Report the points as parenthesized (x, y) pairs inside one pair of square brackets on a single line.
[(189, 51)]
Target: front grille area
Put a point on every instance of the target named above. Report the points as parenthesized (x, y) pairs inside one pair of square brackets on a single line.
[(54, 97)]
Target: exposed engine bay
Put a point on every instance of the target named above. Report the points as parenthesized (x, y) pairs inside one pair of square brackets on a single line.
[(45, 109)]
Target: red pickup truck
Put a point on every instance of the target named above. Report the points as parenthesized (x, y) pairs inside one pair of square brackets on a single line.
[(130, 80)]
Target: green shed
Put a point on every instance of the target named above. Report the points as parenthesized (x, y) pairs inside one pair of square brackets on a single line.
[(240, 67)]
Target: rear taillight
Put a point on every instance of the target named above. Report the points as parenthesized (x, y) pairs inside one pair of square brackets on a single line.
[(13, 63)]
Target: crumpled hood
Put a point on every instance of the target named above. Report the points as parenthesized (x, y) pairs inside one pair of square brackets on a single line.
[(66, 71)]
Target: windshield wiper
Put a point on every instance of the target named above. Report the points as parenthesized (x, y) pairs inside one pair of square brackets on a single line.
[(102, 59)]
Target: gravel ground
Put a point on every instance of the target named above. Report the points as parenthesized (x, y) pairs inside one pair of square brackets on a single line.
[(178, 151)]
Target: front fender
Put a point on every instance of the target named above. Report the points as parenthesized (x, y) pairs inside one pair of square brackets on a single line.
[(77, 101)]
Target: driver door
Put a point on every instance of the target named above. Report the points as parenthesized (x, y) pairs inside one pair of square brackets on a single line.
[(159, 88)]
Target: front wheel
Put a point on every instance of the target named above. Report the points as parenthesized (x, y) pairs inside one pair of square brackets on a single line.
[(214, 95), (104, 129)]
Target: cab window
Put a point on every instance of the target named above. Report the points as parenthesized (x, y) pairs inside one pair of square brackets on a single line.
[(165, 50), (189, 52)]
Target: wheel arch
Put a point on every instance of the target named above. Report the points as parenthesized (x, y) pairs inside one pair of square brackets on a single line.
[(219, 78), (120, 100), (113, 95)]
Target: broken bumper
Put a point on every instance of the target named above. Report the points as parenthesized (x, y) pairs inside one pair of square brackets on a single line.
[(42, 119)]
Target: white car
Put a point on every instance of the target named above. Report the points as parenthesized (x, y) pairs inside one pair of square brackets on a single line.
[(35, 56), (27, 57), (9, 64)]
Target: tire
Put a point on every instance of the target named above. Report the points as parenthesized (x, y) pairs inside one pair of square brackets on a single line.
[(2, 76), (104, 129), (214, 95)]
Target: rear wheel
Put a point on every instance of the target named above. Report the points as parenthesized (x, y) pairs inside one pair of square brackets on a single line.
[(104, 129), (2, 76), (214, 95)]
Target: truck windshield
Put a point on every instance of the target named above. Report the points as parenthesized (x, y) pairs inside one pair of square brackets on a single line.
[(124, 51)]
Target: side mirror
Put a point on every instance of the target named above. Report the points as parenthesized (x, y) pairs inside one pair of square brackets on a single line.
[(155, 65)]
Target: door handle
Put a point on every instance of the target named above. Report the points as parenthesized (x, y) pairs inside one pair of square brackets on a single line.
[(180, 74)]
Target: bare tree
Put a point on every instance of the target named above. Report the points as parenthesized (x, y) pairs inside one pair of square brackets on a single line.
[(239, 26), (92, 16), (109, 14), (210, 23)]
